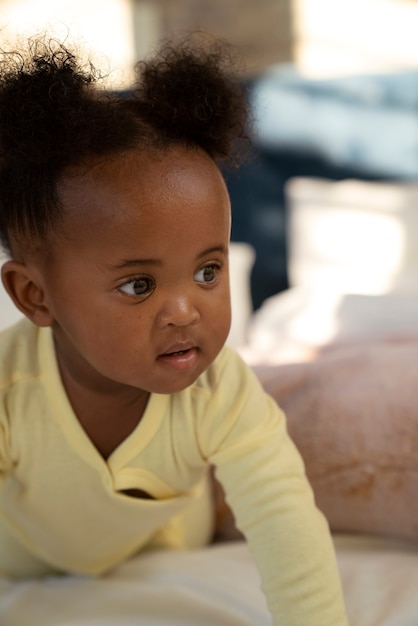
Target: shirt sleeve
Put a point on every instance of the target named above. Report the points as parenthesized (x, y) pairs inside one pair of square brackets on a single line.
[(5, 462), (265, 484)]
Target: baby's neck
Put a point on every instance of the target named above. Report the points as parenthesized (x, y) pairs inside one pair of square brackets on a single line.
[(107, 426), (107, 419), (108, 412), (108, 423)]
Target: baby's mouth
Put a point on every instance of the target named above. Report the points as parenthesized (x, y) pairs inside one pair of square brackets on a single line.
[(180, 359), (177, 352)]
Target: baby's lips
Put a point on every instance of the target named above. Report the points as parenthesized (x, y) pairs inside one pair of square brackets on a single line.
[(183, 359), (179, 346)]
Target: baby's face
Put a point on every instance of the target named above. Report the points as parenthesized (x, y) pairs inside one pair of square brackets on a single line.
[(137, 280)]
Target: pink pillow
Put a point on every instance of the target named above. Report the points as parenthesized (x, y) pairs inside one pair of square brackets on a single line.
[(353, 414)]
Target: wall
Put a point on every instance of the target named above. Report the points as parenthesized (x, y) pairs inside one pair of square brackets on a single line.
[(322, 37)]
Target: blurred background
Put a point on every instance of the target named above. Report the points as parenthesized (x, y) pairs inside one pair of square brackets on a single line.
[(321, 37), (327, 200)]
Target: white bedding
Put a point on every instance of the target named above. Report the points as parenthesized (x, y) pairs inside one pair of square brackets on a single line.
[(218, 585)]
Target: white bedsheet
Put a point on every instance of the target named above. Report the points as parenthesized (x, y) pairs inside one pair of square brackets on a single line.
[(218, 585)]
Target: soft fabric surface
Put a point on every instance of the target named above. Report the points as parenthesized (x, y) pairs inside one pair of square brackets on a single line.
[(353, 413), (217, 585)]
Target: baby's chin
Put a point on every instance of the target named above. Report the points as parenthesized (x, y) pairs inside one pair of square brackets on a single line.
[(179, 380)]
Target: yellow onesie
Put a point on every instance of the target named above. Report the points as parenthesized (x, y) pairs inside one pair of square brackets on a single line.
[(62, 506)]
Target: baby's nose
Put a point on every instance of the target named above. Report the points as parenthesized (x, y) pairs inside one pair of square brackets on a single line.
[(179, 310)]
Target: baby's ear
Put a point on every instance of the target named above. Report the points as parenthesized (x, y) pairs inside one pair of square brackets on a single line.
[(22, 285)]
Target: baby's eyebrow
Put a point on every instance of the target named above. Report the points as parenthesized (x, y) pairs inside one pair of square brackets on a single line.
[(220, 248), (126, 263)]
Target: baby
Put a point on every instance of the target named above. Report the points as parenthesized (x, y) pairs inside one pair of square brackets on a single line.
[(117, 392)]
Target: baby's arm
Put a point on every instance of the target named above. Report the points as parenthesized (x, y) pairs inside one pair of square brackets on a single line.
[(5, 462), (265, 484)]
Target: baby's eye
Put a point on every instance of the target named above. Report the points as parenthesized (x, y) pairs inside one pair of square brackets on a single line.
[(207, 274), (137, 287)]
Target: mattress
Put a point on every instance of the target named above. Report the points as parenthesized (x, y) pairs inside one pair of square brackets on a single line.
[(214, 585)]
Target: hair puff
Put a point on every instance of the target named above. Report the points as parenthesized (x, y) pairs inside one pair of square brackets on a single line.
[(55, 114)]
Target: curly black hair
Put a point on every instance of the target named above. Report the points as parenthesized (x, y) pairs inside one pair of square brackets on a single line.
[(55, 114)]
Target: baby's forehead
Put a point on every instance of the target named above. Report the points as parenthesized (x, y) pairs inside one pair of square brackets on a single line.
[(137, 161), (111, 174), (137, 184)]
